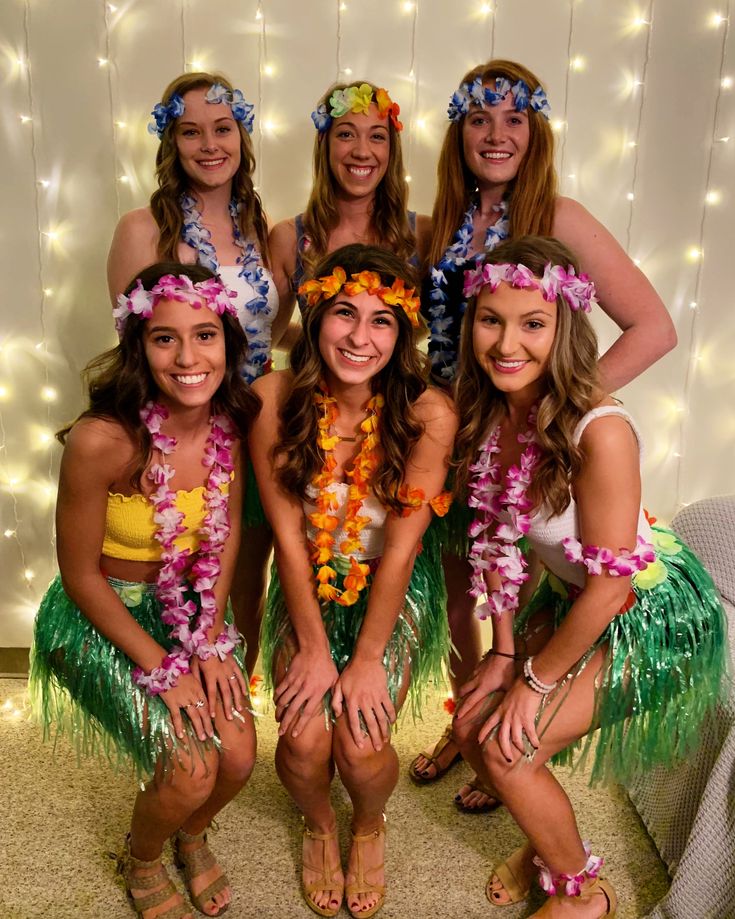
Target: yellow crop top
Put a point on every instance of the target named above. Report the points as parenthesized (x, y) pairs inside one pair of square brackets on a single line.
[(129, 526)]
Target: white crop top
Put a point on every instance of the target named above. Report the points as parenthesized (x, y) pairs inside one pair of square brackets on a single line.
[(547, 532), (372, 536), (257, 324)]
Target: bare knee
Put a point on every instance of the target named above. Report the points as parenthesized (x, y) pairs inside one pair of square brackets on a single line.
[(305, 755), (236, 762), (190, 777), (351, 759), (504, 776)]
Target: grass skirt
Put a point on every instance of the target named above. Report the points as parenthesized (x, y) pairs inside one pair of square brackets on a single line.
[(81, 684), (664, 667), (420, 637)]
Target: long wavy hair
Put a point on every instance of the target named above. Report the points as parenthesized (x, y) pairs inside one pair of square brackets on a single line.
[(401, 382), (173, 181), (572, 384), (120, 382), (389, 226), (533, 192)]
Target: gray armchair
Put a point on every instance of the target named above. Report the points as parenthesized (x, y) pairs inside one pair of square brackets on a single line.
[(690, 810)]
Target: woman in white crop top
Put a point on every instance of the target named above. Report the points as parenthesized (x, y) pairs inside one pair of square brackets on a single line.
[(351, 450), (625, 634)]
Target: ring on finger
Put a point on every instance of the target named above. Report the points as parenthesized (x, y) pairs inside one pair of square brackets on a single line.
[(200, 703), (232, 676)]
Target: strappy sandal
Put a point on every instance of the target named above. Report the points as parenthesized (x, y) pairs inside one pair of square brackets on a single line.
[(476, 784), (326, 880), (599, 885), (507, 873), (433, 760), (361, 885), (195, 863), (127, 864)]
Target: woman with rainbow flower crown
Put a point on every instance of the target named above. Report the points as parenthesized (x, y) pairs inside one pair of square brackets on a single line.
[(206, 211), (496, 181), (135, 654), (359, 195), (619, 654), (351, 451)]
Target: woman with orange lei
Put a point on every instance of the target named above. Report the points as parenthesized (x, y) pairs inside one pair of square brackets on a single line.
[(351, 451)]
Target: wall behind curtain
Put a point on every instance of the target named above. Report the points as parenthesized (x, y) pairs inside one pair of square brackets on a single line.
[(642, 99)]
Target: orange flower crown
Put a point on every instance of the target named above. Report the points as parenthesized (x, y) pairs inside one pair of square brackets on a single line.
[(329, 286)]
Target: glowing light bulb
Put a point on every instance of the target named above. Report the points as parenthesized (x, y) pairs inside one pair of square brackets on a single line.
[(421, 123), (408, 6), (572, 175), (694, 254), (726, 83), (485, 8), (578, 63), (7, 705), (25, 119), (408, 178), (636, 261), (112, 8), (121, 124), (269, 70), (8, 534), (4, 392), (269, 126), (632, 143), (723, 140), (343, 7), (49, 394), (124, 179), (259, 14), (52, 234), (44, 183), (197, 64), (20, 62), (639, 21), (348, 71), (630, 196), (557, 125), (693, 304), (102, 62), (713, 197), (716, 20), (44, 439), (48, 291), (29, 574)]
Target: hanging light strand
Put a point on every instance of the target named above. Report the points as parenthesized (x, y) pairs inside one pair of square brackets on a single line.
[(493, 17), (415, 83), (182, 21), (694, 313), (106, 12), (570, 45), (262, 58), (338, 48)]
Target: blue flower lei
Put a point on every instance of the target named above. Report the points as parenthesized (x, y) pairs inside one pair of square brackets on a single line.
[(455, 256), (242, 111), (254, 323), (476, 93)]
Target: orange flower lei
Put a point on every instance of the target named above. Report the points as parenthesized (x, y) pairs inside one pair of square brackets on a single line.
[(329, 286), (414, 498), (324, 520)]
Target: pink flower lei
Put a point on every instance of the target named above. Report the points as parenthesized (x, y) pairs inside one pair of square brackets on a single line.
[(141, 302), (504, 505), (577, 290), (202, 578)]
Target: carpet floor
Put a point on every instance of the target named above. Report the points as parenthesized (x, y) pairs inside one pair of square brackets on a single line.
[(62, 817)]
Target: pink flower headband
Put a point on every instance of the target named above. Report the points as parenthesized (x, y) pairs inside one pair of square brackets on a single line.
[(141, 302), (577, 290)]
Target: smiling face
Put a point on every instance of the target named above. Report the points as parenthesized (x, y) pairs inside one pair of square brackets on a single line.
[(185, 349), (494, 141), (512, 337), (208, 141), (359, 151), (357, 337)]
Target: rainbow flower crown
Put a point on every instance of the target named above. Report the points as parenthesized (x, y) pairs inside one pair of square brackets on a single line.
[(578, 290), (329, 286), (242, 111), (356, 99), (140, 302), (476, 93)]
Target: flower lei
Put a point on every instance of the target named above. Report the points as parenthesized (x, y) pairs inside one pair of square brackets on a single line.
[(203, 574), (578, 291), (356, 99), (572, 882), (595, 558), (506, 506), (165, 112), (445, 353), (326, 522), (327, 287), (476, 93), (257, 327), (141, 302)]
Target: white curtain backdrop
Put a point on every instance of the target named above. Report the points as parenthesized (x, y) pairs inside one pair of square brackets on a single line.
[(643, 104)]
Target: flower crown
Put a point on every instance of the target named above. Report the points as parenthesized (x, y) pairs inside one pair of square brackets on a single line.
[(476, 93), (329, 286), (577, 290), (356, 99), (140, 302), (242, 111)]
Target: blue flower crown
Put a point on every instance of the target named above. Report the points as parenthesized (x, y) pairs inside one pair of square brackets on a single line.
[(242, 111), (476, 93)]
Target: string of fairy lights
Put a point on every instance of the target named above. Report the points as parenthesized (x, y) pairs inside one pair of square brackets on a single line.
[(124, 131)]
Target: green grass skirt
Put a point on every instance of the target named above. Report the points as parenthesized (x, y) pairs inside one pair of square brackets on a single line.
[(81, 684), (664, 670), (420, 637)]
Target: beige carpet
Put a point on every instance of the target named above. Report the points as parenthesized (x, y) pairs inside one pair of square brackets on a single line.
[(62, 817)]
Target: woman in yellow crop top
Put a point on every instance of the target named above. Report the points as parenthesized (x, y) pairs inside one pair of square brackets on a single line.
[(134, 648)]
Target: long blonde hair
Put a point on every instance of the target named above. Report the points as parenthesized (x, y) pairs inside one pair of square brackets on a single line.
[(572, 381), (389, 224), (533, 191), (173, 181)]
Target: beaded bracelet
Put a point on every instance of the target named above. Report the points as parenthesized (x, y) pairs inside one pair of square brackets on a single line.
[(223, 644), (534, 682), (165, 677)]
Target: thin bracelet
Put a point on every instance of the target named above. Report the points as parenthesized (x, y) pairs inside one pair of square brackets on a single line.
[(513, 657), (534, 682)]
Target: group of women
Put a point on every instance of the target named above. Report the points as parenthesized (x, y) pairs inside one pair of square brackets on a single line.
[(377, 475)]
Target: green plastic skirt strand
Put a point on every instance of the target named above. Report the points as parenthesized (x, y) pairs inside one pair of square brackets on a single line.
[(665, 665), (82, 685), (420, 638)]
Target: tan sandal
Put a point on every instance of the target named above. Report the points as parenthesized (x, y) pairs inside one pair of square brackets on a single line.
[(590, 890), (195, 863), (127, 864), (507, 873), (433, 760), (361, 885), (326, 880), (476, 784)]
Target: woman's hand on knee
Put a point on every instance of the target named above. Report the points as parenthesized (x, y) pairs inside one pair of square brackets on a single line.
[(493, 674), (362, 688), (226, 678), (299, 694), (514, 717), (188, 694)]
